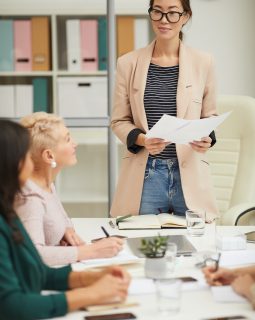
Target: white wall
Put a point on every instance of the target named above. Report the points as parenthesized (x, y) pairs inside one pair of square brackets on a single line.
[(223, 27), (226, 29)]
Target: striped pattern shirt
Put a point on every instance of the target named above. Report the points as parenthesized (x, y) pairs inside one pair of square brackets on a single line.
[(160, 98)]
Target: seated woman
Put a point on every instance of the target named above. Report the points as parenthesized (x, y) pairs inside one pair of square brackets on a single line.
[(38, 205), (242, 280), (22, 273)]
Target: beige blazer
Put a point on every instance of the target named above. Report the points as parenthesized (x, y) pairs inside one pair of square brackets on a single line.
[(195, 99)]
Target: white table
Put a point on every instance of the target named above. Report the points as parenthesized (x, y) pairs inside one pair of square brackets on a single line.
[(195, 305)]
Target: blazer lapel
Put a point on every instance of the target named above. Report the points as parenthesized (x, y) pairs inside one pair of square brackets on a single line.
[(184, 89), (139, 83)]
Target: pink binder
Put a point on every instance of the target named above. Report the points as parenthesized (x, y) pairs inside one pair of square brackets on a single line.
[(22, 45), (89, 45)]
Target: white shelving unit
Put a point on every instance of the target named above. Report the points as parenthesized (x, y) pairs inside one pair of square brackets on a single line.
[(84, 188)]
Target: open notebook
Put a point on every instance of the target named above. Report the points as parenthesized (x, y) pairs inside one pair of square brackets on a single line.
[(151, 221)]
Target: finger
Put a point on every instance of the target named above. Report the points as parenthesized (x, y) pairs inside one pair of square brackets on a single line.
[(71, 240), (207, 139), (118, 240), (153, 140), (198, 149), (201, 144)]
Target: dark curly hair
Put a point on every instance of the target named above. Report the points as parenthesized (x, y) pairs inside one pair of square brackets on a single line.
[(14, 145), (186, 7)]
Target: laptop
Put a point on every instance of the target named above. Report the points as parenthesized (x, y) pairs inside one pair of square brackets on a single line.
[(184, 246)]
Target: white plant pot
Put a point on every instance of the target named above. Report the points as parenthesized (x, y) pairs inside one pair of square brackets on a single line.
[(155, 268)]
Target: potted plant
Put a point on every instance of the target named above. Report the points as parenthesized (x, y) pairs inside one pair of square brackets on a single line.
[(154, 250)]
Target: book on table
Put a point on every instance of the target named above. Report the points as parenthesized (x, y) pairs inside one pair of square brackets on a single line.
[(152, 221)]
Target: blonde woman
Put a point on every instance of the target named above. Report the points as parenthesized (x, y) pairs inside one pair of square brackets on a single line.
[(23, 275), (38, 205)]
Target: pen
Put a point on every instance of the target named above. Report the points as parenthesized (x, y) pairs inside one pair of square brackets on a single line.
[(217, 263), (105, 232)]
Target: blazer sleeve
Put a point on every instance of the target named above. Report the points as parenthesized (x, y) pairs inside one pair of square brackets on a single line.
[(17, 304), (209, 98), (122, 120)]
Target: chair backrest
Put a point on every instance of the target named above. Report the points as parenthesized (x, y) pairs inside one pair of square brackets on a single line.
[(233, 157)]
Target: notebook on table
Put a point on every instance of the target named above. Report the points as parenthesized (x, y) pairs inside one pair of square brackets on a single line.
[(184, 246), (151, 221)]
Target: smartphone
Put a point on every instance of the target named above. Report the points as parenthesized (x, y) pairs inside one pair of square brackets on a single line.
[(229, 318), (114, 316), (114, 235), (250, 236), (187, 279)]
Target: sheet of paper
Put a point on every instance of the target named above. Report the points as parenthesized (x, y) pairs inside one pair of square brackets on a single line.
[(237, 258), (125, 256), (141, 286), (182, 131), (226, 294)]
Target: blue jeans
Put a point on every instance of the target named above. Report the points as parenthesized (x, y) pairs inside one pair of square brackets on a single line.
[(162, 189)]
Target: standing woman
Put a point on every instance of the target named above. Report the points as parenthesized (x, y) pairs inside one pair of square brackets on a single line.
[(165, 77)]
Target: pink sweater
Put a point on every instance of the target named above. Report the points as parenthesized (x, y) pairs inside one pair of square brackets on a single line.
[(45, 220)]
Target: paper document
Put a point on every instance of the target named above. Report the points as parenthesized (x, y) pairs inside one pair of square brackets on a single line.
[(226, 294), (141, 286), (237, 258), (181, 131), (124, 257)]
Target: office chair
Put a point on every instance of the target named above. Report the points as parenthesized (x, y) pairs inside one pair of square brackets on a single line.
[(233, 161)]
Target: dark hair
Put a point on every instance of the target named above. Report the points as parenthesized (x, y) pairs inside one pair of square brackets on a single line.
[(186, 8), (14, 145)]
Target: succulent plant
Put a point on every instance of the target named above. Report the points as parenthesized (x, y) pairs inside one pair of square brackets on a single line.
[(154, 247)]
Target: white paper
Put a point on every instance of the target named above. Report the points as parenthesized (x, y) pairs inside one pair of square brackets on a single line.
[(124, 256), (226, 294), (181, 131), (147, 286), (237, 258), (141, 286)]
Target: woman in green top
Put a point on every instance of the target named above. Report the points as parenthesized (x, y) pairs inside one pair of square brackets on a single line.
[(23, 275)]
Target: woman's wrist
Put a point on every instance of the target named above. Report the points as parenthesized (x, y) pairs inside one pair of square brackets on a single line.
[(140, 141), (86, 252), (80, 298)]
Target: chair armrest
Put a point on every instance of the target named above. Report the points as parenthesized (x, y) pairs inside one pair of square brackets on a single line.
[(232, 215)]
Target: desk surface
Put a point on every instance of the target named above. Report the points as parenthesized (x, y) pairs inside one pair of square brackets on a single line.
[(195, 305)]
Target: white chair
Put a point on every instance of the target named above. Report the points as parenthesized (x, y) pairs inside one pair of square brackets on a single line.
[(233, 161)]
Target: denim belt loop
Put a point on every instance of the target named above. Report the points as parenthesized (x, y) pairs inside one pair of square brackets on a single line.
[(153, 164)]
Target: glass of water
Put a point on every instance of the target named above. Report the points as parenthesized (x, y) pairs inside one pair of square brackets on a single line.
[(195, 222), (171, 252), (168, 295)]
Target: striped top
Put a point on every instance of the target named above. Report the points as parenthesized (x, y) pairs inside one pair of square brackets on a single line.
[(160, 98)]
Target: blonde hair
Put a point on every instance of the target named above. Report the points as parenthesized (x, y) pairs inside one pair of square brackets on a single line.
[(43, 132)]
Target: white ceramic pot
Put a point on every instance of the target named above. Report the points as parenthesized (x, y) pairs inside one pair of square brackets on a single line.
[(155, 268)]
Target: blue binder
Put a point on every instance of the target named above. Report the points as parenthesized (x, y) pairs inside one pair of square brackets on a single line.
[(41, 100), (6, 45), (102, 43)]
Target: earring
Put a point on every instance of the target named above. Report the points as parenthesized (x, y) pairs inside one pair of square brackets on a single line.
[(53, 164)]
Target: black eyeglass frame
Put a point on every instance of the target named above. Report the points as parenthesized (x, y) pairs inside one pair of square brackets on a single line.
[(165, 14)]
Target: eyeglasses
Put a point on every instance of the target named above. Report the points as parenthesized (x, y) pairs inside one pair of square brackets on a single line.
[(171, 16)]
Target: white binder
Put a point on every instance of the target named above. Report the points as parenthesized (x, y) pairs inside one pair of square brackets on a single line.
[(23, 100), (73, 45), (7, 109), (141, 33), (82, 97)]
